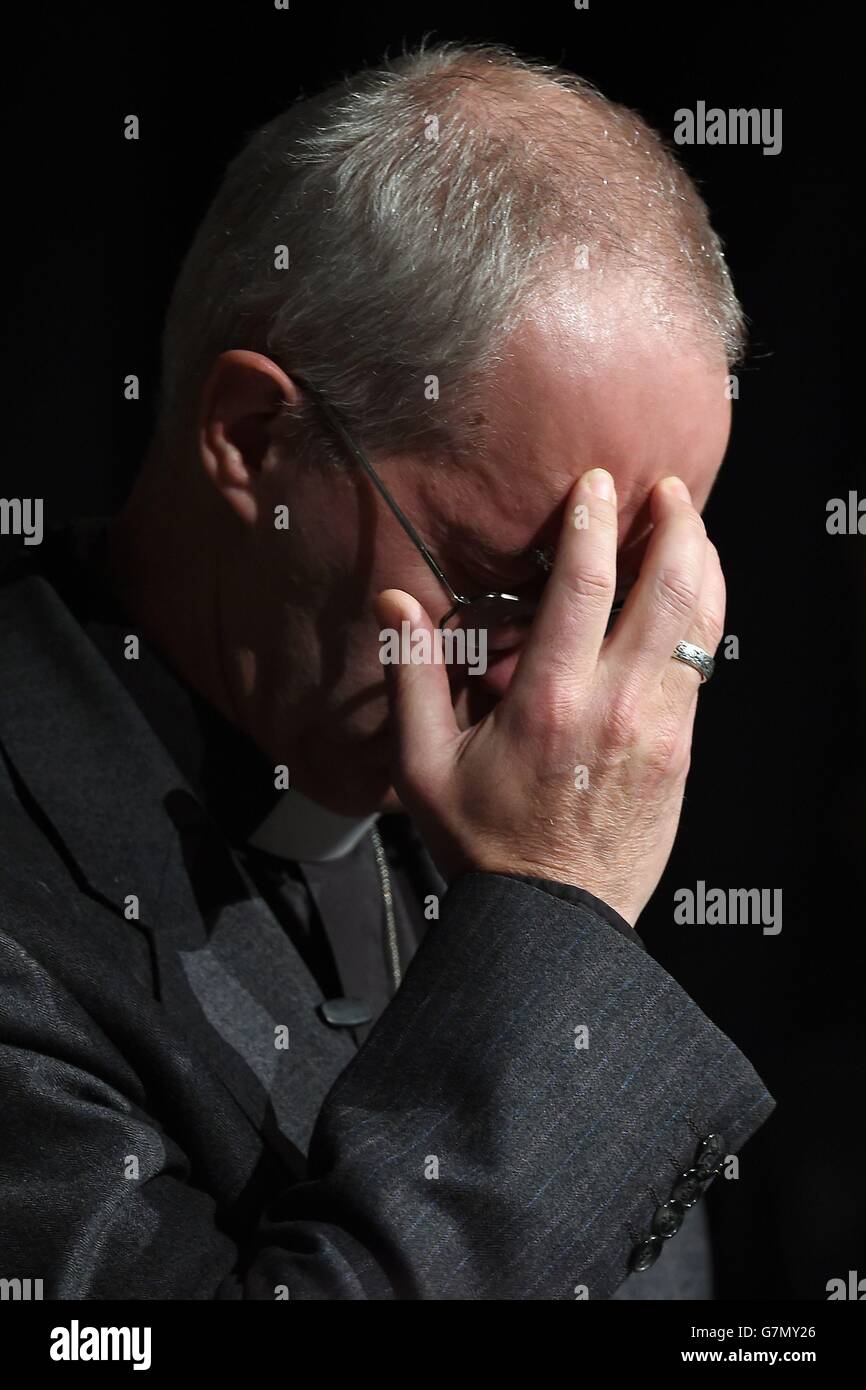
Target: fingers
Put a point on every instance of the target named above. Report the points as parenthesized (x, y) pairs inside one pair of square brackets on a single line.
[(563, 646), (419, 696), (706, 627), (660, 609)]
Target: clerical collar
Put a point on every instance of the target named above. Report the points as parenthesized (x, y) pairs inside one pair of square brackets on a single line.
[(299, 829)]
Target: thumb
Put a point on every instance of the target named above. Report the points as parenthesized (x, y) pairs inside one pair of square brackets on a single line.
[(419, 695)]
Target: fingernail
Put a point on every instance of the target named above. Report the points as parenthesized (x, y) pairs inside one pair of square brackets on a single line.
[(599, 482), (677, 488)]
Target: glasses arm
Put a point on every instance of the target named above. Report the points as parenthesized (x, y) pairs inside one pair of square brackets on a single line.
[(361, 458)]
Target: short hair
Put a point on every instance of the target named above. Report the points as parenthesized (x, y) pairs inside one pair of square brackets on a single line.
[(424, 205)]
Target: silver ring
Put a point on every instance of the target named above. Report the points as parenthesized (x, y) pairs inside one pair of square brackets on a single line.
[(696, 657)]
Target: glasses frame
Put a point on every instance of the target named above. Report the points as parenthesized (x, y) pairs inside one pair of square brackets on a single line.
[(460, 602)]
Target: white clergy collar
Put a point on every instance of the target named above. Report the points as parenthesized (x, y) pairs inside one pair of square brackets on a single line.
[(300, 829)]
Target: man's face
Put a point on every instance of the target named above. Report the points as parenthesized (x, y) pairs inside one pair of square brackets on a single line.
[(582, 388)]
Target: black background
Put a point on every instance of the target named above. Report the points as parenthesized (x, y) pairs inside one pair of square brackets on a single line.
[(94, 231)]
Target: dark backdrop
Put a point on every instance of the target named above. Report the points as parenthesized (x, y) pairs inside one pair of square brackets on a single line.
[(93, 234)]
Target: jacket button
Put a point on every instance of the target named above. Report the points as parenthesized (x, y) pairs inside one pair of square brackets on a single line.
[(710, 1156), (667, 1220), (687, 1188), (645, 1254), (346, 1013)]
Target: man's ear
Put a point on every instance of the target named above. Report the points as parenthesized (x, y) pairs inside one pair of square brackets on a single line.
[(240, 399)]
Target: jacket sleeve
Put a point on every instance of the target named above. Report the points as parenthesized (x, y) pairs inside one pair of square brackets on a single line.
[(511, 1129)]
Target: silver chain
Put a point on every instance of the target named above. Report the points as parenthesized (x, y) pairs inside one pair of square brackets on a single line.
[(391, 941)]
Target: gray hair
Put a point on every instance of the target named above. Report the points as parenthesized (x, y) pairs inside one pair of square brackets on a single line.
[(424, 205)]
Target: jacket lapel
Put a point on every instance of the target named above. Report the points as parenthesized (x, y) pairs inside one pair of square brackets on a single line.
[(228, 975)]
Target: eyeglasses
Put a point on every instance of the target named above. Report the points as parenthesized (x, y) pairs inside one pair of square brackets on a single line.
[(493, 608)]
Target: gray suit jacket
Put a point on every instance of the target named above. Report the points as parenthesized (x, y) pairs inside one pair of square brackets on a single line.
[(158, 1141)]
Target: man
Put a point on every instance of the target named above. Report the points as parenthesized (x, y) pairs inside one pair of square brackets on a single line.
[(321, 977)]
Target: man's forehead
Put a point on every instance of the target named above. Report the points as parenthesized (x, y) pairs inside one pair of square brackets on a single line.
[(515, 530), (518, 558), (651, 408)]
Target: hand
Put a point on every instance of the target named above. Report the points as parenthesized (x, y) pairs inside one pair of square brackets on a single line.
[(502, 796)]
